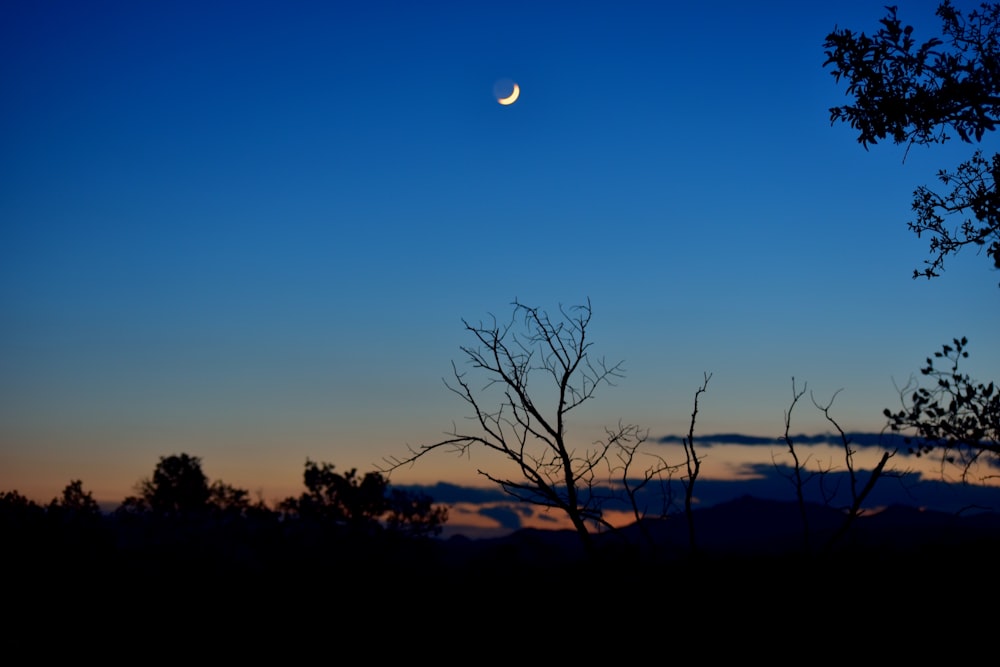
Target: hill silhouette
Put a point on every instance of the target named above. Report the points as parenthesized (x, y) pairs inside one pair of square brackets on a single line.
[(753, 528)]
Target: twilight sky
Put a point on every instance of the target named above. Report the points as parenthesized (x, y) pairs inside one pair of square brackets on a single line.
[(249, 231)]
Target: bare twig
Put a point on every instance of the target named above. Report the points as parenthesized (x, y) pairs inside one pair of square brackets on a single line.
[(693, 464)]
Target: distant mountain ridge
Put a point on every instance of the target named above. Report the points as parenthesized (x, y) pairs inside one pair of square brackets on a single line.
[(757, 528)]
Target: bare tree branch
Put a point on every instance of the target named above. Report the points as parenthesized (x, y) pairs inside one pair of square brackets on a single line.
[(553, 472), (858, 497), (799, 475)]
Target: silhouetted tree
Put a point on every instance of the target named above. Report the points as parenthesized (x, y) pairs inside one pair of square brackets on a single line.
[(362, 504), (228, 499), (661, 473), (80, 538), (858, 493), (529, 427), (915, 93), (346, 500), (800, 475), (23, 532), (414, 514), (178, 487), (955, 415), (76, 512), (75, 502), (17, 511), (179, 526)]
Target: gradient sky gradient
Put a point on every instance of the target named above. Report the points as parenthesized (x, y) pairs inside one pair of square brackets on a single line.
[(249, 231)]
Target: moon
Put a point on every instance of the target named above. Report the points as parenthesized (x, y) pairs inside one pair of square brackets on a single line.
[(510, 99)]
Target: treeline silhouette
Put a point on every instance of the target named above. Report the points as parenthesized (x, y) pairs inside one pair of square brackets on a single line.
[(183, 557), (180, 527)]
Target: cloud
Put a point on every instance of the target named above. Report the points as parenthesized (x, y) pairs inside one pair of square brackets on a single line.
[(506, 516), (443, 492), (764, 481), (888, 440), (775, 482)]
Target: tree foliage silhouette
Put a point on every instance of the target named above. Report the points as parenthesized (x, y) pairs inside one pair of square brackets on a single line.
[(955, 415), (75, 502), (178, 487), (228, 499), (17, 511), (529, 427), (414, 514), (925, 93), (362, 504)]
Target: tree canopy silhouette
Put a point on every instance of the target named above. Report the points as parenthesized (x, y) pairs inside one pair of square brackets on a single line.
[(362, 504), (178, 486), (925, 93), (75, 502)]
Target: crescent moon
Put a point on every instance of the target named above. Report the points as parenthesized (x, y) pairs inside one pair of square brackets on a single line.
[(510, 99)]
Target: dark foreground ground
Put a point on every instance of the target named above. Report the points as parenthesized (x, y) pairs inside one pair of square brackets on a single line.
[(900, 572)]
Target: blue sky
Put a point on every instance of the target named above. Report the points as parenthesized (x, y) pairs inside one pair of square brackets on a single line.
[(250, 231)]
